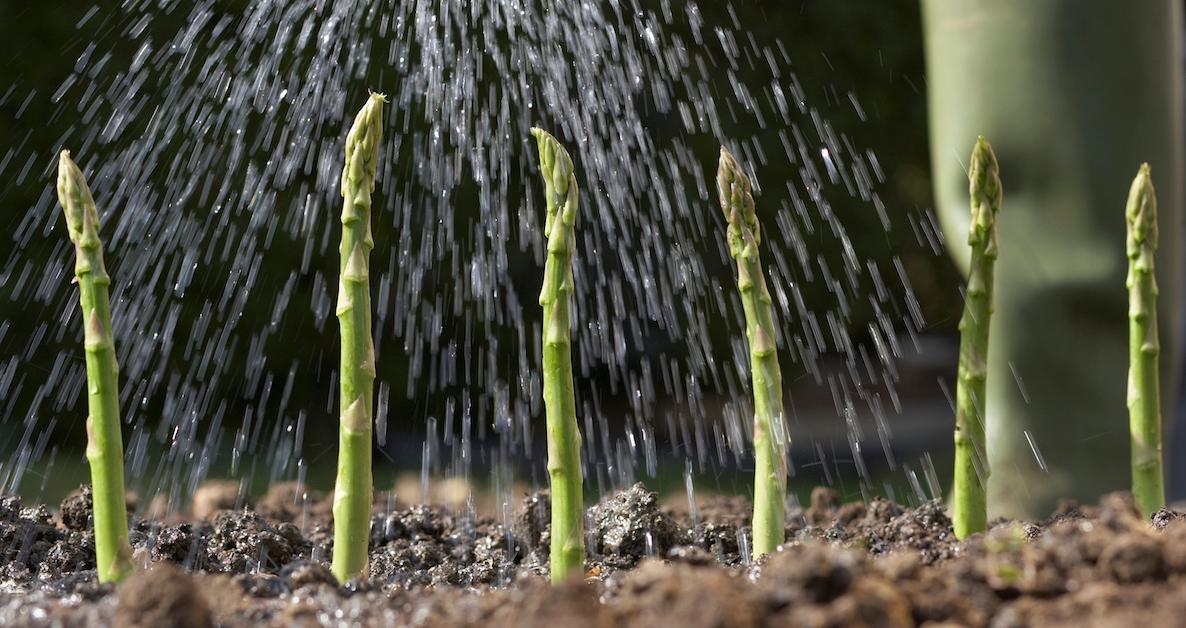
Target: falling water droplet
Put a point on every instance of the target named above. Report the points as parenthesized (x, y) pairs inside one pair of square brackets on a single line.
[(1029, 438)]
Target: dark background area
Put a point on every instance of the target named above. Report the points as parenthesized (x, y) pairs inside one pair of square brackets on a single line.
[(872, 51)]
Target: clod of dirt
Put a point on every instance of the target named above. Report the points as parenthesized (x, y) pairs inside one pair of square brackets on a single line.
[(658, 594), (27, 536), (720, 540), (533, 524), (1174, 546), (260, 585), (722, 522), (10, 507), (1133, 558), (490, 560), (885, 527), (73, 553), (1163, 517), (628, 526), (819, 585), (573, 603), (307, 573), (824, 502), (1101, 604), (1119, 512), (214, 496), (415, 523), (162, 596), (734, 510), (421, 545), (242, 540), (813, 572), (75, 512), (293, 502), (690, 554), (184, 544)]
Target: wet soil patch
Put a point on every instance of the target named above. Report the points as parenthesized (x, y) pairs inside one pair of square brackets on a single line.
[(235, 563)]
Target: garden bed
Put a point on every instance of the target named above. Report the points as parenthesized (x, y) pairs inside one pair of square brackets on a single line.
[(852, 564)]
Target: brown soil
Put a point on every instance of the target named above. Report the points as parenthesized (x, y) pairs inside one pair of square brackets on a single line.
[(856, 564)]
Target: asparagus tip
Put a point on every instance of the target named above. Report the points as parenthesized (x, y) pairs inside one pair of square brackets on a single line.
[(737, 201), (65, 163), (74, 195), (555, 163), (984, 168), (544, 138), (1141, 213), (984, 181), (362, 147)]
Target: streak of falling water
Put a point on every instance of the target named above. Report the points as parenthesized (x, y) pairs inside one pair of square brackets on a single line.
[(381, 414), (211, 134), (1041, 460), (743, 549), (928, 472), (1020, 386)]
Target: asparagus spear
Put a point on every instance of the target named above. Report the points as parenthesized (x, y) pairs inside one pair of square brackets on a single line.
[(970, 507), (352, 491), (104, 449), (770, 434), (1144, 397), (564, 437)]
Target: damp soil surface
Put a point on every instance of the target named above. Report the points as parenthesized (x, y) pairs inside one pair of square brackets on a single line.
[(233, 563)]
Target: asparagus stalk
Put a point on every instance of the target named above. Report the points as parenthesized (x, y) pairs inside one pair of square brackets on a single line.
[(104, 449), (564, 437), (352, 491), (770, 434), (970, 507), (1144, 396)]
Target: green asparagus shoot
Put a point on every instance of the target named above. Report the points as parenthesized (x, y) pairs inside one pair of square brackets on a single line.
[(770, 434), (1144, 395), (105, 449), (970, 505), (352, 491), (564, 437)]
